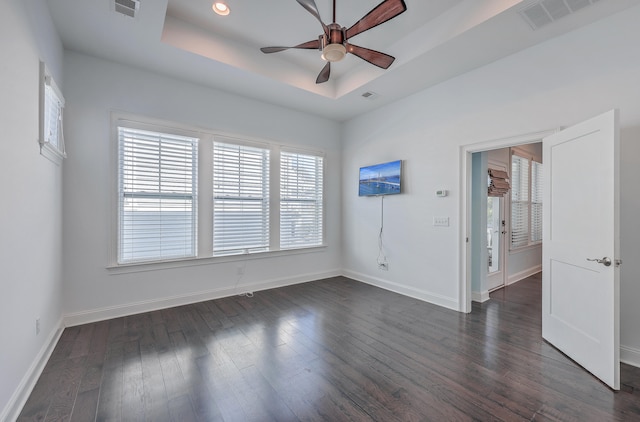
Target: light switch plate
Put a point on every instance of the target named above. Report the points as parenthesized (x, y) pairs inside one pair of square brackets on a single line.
[(441, 221)]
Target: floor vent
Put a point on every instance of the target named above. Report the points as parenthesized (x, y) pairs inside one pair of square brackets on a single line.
[(539, 13), (127, 7)]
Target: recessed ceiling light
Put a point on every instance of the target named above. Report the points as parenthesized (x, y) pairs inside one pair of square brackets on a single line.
[(220, 8)]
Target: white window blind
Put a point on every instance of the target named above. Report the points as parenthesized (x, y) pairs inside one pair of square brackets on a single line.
[(240, 198), (301, 202), (53, 108), (157, 190), (536, 201), (526, 201), (51, 116), (519, 201)]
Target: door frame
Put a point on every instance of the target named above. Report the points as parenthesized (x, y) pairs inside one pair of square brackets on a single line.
[(466, 151)]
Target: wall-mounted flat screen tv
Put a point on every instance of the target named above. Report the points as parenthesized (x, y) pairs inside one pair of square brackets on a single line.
[(381, 179)]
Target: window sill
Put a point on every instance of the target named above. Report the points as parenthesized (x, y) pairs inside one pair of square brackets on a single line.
[(115, 269), (521, 249), (52, 153)]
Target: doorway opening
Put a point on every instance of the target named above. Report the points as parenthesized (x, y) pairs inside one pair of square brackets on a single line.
[(485, 257), (586, 327)]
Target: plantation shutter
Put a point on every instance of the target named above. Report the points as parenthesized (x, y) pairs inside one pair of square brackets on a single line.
[(240, 198), (157, 194), (301, 201), (519, 201), (536, 201)]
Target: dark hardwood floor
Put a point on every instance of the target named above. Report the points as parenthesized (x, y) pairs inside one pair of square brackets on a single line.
[(330, 350)]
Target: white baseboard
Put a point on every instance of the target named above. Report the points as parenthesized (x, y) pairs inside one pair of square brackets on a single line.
[(480, 297), (423, 295), (630, 356), (514, 278), (94, 315), (24, 389)]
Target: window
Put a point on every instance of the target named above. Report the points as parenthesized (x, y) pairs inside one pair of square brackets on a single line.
[(157, 195), (51, 112), (184, 194), (526, 201), (240, 198), (300, 200)]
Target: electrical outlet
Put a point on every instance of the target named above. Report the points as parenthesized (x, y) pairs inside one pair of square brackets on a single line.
[(384, 266), (37, 326)]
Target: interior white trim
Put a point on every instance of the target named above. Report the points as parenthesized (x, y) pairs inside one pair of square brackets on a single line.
[(514, 278), (464, 285), (206, 260), (436, 299), (101, 314), (51, 153), (480, 297), (630, 356), (28, 382)]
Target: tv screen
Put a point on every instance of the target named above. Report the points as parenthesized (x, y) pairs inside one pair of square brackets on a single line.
[(380, 179)]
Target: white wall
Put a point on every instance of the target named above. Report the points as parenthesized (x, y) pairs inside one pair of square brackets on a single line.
[(31, 204), (557, 83), (478, 238), (93, 88)]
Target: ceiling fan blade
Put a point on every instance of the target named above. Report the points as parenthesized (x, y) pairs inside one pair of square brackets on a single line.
[(383, 12), (323, 76), (310, 45), (374, 57), (311, 7)]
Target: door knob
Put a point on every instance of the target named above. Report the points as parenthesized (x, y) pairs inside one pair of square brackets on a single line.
[(605, 261)]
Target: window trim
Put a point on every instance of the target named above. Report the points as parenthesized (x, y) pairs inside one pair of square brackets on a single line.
[(205, 195), (319, 153), (322, 191), (265, 202), (171, 137)]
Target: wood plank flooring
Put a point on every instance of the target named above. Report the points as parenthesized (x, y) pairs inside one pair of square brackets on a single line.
[(329, 350)]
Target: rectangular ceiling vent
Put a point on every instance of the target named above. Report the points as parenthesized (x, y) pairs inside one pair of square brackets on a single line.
[(370, 95), (539, 13), (127, 7)]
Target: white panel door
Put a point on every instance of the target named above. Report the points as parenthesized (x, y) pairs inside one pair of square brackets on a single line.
[(580, 296)]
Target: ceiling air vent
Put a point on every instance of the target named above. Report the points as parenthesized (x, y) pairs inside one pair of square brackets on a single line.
[(369, 95), (539, 13), (127, 7)]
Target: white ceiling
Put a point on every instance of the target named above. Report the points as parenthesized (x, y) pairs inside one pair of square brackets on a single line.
[(434, 40)]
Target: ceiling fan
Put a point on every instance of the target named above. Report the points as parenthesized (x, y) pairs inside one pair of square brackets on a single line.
[(334, 41)]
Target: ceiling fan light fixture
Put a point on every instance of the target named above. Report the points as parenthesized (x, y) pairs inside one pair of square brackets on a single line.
[(335, 38), (334, 52), (221, 8)]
